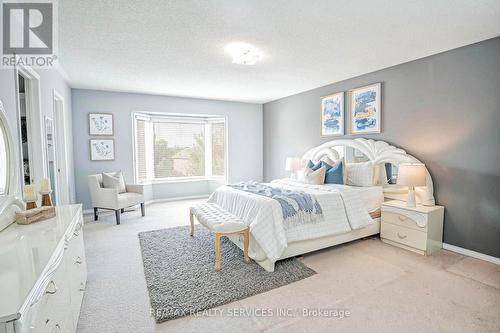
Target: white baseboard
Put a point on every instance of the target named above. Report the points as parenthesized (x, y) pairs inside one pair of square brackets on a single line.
[(471, 253), (149, 202)]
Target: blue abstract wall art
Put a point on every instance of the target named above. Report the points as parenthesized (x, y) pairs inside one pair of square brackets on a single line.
[(365, 109), (332, 114)]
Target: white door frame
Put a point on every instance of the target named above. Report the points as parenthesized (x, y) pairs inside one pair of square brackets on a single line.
[(61, 151), (56, 188), (38, 166)]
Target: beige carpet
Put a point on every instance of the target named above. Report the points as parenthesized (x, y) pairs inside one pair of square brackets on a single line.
[(384, 288)]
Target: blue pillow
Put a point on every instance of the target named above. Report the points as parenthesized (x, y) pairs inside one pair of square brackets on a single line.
[(335, 175), (388, 171), (313, 166)]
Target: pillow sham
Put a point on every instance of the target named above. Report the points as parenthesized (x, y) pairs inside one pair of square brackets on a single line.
[(313, 166), (114, 180), (335, 174), (314, 177), (326, 162), (360, 174)]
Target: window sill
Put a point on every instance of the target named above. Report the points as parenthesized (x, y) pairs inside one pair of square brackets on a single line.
[(181, 180)]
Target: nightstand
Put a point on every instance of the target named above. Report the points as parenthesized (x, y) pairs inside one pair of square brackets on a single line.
[(418, 229)]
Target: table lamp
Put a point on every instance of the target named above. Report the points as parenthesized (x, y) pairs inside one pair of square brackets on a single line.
[(411, 175)]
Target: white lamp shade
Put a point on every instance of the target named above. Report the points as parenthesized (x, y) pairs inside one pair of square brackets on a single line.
[(411, 174), (292, 164)]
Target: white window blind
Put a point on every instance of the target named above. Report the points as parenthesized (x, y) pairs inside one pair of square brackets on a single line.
[(179, 149), (173, 147), (140, 146)]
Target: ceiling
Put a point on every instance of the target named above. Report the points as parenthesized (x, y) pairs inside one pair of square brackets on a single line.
[(177, 47)]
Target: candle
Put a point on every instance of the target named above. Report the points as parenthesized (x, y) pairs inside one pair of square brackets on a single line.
[(29, 193), (44, 186)]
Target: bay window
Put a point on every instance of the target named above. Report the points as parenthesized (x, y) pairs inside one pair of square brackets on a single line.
[(172, 147)]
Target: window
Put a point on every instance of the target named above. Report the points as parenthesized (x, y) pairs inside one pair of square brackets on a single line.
[(169, 147)]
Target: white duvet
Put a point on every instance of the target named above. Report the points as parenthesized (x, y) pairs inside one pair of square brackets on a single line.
[(343, 210)]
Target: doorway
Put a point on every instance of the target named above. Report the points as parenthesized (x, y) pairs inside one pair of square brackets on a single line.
[(31, 162), (24, 132), (58, 171)]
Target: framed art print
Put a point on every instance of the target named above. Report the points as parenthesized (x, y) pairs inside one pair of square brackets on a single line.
[(100, 124), (365, 110), (332, 114), (102, 149)]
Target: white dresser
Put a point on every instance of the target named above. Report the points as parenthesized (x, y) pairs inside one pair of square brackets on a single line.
[(43, 274)]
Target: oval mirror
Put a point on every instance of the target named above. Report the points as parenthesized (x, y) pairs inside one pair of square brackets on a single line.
[(3, 162), (6, 158), (9, 204)]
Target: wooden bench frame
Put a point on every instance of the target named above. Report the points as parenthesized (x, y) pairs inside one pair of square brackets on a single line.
[(244, 232)]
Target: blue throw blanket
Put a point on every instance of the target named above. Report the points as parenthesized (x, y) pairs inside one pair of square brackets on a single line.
[(297, 207)]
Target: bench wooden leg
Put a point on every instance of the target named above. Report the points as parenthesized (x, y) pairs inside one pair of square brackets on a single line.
[(245, 245), (217, 251), (191, 219)]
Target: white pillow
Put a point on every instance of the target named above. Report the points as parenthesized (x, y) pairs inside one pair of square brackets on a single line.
[(114, 180), (360, 174), (314, 177)]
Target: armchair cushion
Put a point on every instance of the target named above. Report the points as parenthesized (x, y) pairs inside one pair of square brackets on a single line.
[(128, 199), (114, 180)]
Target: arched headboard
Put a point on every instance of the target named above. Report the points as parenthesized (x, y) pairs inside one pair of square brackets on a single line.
[(379, 152)]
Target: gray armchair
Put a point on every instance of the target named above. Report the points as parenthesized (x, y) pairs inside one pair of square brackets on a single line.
[(109, 198)]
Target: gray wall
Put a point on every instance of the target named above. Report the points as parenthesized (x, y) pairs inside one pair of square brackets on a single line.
[(50, 79), (244, 123), (444, 110)]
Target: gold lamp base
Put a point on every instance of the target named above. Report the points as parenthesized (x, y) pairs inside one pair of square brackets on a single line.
[(30, 205), (46, 201)]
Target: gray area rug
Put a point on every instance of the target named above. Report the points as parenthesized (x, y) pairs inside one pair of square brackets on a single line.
[(181, 278)]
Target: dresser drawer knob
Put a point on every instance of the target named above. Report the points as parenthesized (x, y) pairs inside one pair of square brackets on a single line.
[(78, 260), (402, 218), (401, 236), (51, 288)]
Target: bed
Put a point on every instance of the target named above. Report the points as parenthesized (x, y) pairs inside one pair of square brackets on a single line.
[(348, 212)]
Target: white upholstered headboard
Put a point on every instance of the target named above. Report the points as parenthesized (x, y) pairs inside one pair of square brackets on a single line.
[(379, 152)]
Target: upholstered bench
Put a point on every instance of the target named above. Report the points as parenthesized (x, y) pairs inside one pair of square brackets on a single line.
[(221, 223)]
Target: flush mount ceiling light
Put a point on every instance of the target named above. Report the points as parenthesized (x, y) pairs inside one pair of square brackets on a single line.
[(243, 53)]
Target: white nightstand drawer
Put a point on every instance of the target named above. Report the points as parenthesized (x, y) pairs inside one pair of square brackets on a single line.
[(406, 236), (403, 220)]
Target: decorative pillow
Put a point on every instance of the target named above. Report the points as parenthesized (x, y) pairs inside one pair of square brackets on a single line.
[(314, 177), (313, 166), (333, 170), (335, 173), (360, 174), (114, 180), (388, 172)]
